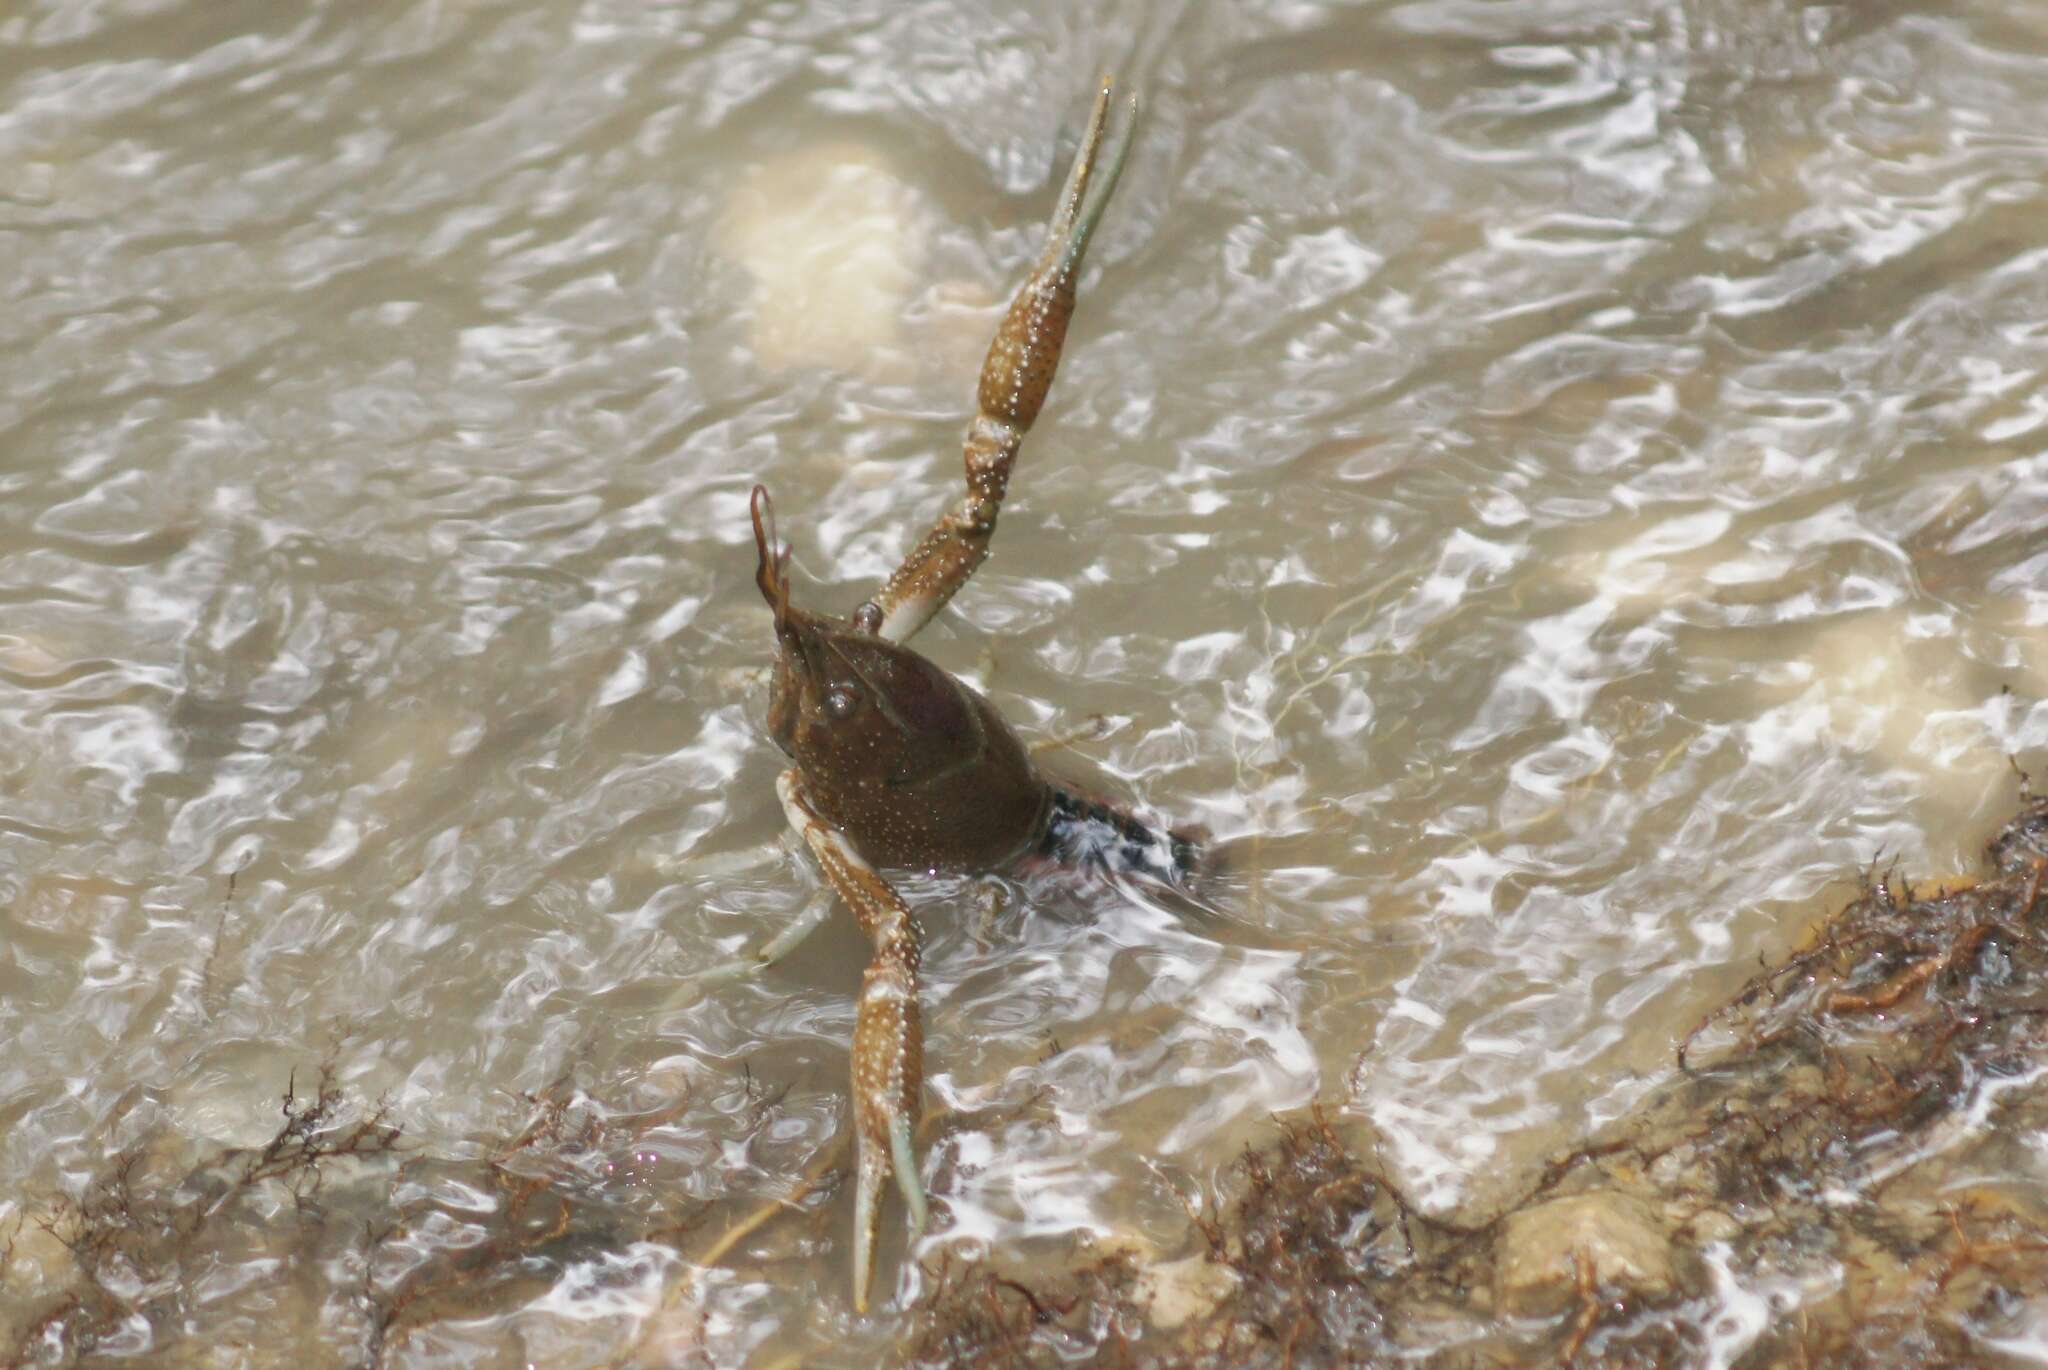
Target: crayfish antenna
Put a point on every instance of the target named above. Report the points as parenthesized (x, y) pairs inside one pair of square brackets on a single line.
[(772, 575)]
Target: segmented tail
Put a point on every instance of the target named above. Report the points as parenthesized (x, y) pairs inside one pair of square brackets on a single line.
[(1085, 834)]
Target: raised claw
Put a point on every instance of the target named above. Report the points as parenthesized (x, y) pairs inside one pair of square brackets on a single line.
[(1014, 381)]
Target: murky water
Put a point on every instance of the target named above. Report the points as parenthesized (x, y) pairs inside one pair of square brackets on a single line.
[(1561, 483)]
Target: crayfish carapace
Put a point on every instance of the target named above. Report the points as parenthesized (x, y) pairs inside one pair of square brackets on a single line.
[(898, 764)]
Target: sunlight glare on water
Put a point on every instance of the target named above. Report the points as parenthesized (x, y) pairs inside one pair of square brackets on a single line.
[(1551, 488)]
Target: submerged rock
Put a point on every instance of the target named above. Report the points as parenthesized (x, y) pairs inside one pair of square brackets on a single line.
[(1550, 1251), (1191, 1287), (833, 238)]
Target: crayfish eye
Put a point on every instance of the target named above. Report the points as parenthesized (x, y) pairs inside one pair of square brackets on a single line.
[(841, 702)]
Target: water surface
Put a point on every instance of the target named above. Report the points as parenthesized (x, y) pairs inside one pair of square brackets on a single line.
[(1557, 485)]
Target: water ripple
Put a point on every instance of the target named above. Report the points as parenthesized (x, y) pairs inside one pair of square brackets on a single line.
[(1551, 488)]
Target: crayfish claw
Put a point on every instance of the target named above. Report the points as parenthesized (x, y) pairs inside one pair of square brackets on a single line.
[(1018, 372), (888, 1033)]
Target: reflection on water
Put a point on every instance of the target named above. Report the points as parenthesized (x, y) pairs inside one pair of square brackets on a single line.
[(1526, 477)]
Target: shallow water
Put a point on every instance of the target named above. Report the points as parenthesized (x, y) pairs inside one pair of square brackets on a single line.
[(1556, 485)]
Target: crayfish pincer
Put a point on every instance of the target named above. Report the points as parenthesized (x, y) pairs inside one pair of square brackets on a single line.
[(897, 764)]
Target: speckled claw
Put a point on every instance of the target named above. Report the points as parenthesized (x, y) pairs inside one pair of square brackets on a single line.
[(888, 1050), (1014, 381), (888, 1032)]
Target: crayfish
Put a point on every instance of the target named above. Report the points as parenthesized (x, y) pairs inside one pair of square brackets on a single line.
[(898, 764)]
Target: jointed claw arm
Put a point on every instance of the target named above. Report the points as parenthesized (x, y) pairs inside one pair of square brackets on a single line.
[(1014, 382), (888, 1035)]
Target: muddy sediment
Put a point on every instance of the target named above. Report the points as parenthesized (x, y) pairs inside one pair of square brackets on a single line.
[(1847, 1170)]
